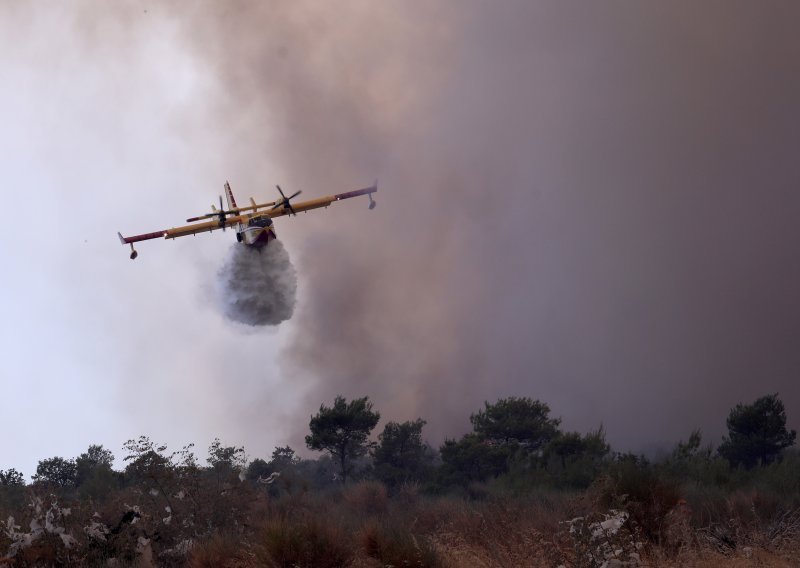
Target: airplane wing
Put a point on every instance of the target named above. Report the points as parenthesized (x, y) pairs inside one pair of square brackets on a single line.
[(184, 231), (223, 219), (322, 201), (205, 227)]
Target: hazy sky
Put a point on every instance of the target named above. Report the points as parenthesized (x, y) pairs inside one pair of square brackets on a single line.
[(595, 205)]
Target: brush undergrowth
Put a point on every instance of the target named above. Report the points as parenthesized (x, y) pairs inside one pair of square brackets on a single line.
[(661, 521)]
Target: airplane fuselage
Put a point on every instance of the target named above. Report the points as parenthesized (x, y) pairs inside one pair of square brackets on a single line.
[(257, 232)]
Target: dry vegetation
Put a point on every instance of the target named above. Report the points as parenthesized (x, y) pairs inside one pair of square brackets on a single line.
[(246, 523), (515, 492)]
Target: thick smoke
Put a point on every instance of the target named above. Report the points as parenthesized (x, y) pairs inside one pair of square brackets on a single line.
[(594, 207), (257, 287)]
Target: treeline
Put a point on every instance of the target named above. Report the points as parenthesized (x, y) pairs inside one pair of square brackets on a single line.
[(515, 444), (518, 490)]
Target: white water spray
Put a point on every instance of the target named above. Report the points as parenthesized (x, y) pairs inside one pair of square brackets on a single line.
[(257, 287)]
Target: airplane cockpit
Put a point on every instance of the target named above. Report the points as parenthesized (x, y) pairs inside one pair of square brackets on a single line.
[(261, 221)]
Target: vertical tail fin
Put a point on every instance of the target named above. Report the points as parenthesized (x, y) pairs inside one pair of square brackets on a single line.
[(232, 206), (229, 196)]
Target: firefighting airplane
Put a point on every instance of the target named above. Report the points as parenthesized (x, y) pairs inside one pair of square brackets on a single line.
[(253, 228)]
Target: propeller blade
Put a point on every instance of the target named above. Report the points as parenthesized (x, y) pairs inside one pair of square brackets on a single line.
[(291, 209), (296, 193), (280, 191), (201, 217), (222, 214)]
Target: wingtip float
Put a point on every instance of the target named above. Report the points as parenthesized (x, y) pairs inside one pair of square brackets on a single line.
[(254, 226)]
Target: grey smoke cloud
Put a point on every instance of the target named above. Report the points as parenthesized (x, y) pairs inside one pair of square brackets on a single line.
[(257, 287), (593, 206)]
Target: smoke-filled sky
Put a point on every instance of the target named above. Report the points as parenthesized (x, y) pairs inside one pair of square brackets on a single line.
[(595, 205)]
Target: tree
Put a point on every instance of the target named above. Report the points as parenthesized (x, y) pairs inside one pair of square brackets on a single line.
[(575, 461), (58, 471), (756, 433), (516, 421), (147, 460), (148, 464), (258, 468), (343, 430), (225, 461), (12, 490), (690, 449), (94, 476), (225, 457), (11, 478), (283, 458), (472, 459), (89, 463), (401, 455), (568, 446)]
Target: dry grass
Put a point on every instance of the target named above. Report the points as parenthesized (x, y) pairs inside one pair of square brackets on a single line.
[(220, 551), (310, 542), (361, 526), (391, 545), (367, 498)]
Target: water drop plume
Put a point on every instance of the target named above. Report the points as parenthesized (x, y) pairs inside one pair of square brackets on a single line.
[(257, 287)]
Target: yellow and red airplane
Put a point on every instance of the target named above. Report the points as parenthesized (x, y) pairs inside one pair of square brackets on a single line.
[(253, 227)]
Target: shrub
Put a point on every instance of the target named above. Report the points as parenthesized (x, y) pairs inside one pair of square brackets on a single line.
[(312, 543), (634, 485), (392, 546), (219, 551), (367, 497)]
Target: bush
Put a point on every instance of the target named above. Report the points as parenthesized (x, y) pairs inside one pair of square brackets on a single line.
[(219, 551), (392, 546), (312, 543), (634, 485), (367, 497)]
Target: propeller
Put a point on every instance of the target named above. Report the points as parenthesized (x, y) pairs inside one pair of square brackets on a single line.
[(221, 214), (286, 201)]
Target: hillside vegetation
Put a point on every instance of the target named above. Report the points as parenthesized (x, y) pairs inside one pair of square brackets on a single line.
[(515, 491)]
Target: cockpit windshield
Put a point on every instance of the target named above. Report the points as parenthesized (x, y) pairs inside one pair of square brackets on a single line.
[(260, 221)]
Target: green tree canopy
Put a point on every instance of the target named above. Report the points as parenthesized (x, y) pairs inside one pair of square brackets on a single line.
[(516, 421), (94, 459), (571, 445), (147, 460), (258, 468), (225, 457), (574, 461), (11, 478), (472, 458), (401, 455), (690, 449), (757, 432), (283, 458), (58, 471), (343, 430), (225, 461)]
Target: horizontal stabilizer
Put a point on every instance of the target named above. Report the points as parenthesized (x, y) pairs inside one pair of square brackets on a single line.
[(366, 191)]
